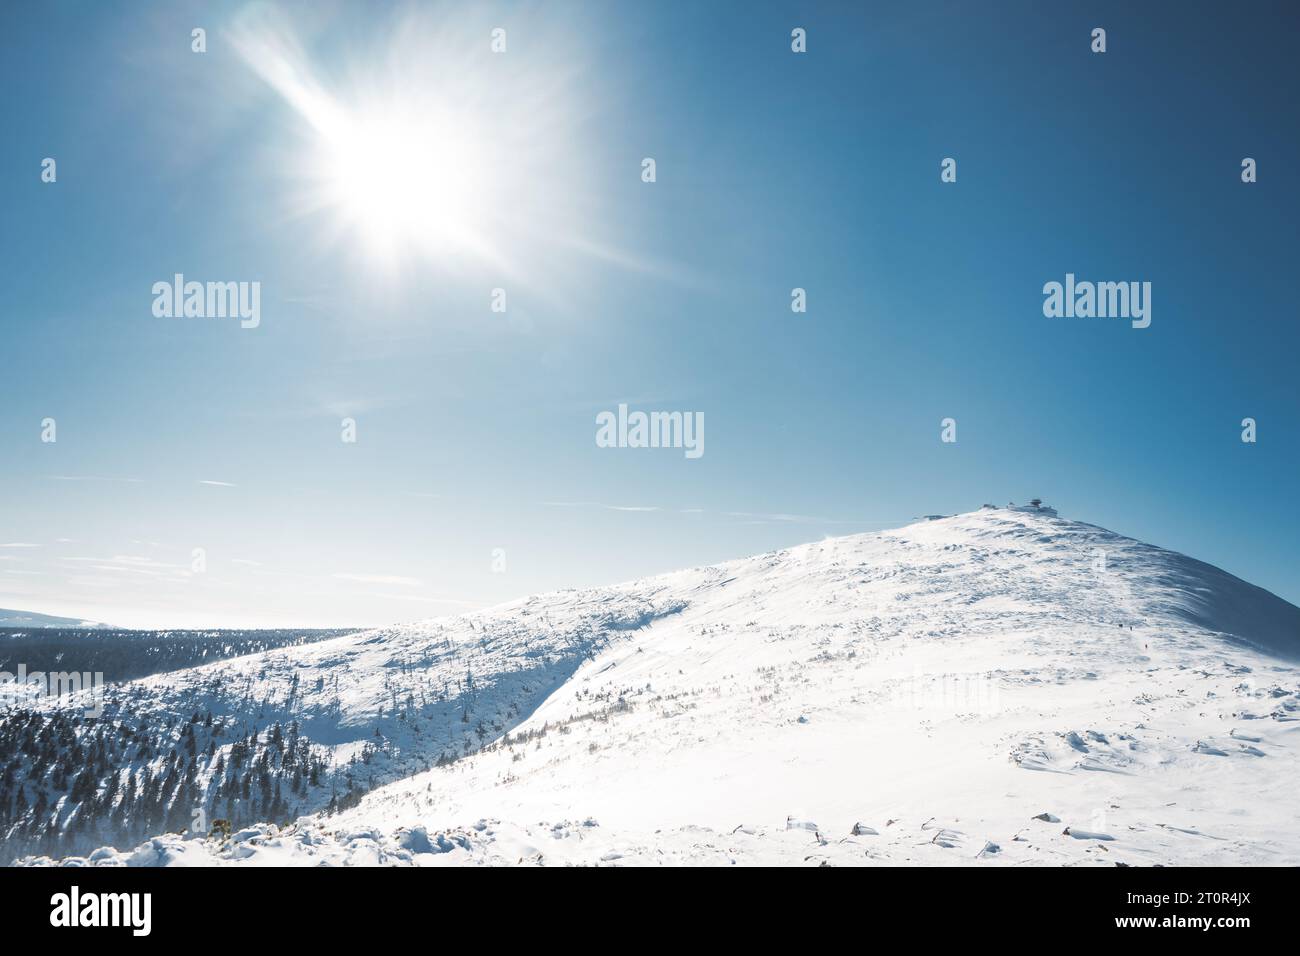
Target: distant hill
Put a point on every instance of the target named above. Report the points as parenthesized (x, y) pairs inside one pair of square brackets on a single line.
[(12, 618)]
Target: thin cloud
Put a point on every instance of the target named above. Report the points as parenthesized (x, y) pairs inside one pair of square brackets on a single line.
[(140, 561), (750, 517), (377, 579), (219, 484), (771, 517), (134, 481), (127, 562), (596, 504), (422, 600)]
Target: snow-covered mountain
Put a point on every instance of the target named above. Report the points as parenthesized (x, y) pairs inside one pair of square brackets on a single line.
[(1003, 686), (13, 618)]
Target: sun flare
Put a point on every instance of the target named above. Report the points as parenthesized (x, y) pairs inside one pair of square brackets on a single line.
[(402, 179), (422, 150)]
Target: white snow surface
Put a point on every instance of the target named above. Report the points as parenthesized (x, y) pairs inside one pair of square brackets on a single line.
[(995, 688)]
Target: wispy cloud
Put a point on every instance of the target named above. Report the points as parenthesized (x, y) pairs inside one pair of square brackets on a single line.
[(130, 563), (750, 517), (772, 517), (423, 600), (597, 504), (134, 481), (139, 561), (219, 484), (19, 544), (378, 579)]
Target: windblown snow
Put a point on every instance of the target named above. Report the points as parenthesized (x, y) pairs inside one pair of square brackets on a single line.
[(1003, 687)]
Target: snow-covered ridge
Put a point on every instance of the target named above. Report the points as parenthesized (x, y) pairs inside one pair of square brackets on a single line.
[(940, 684), (14, 618), (1146, 580)]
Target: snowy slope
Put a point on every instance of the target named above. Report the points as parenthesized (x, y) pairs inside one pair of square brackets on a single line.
[(915, 696), (12, 618)]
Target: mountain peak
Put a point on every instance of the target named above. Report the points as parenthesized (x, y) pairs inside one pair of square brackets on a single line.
[(1034, 506)]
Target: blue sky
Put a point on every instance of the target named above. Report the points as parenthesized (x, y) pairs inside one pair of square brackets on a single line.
[(775, 170)]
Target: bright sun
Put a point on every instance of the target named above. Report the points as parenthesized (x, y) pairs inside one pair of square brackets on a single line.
[(423, 148), (406, 179)]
